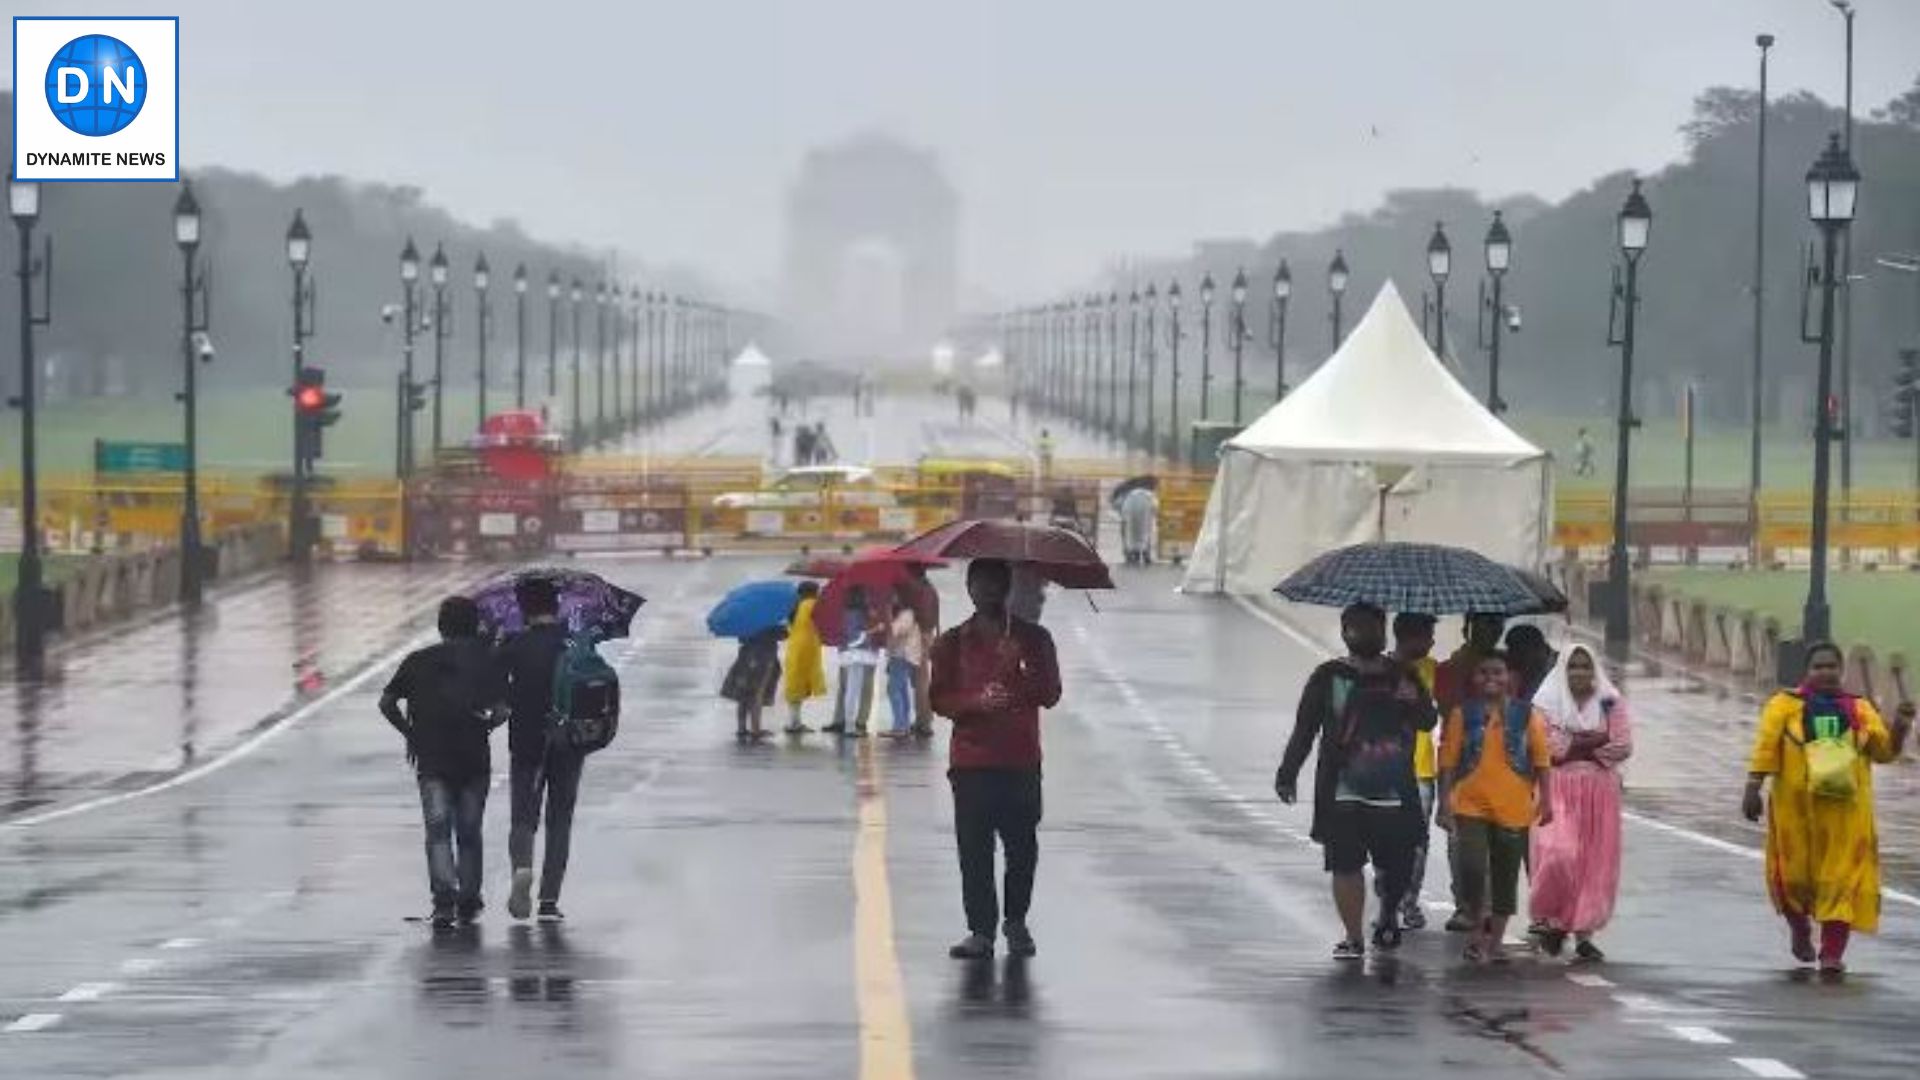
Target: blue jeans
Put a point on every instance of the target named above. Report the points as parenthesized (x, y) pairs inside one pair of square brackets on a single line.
[(900, 692), (550, 783), (452, 811)]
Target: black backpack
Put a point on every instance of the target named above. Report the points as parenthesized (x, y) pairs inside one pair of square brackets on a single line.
[(586, 698)]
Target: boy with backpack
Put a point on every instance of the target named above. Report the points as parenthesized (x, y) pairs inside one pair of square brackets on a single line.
[(451, 691), (1366, 710), (564, 701)]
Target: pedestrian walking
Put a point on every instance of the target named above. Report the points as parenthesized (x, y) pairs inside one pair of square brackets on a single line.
[(803, 444), (858, 658), (1495, 783), (806, 671), (1529, 660), (906, 652), (1139, 512), (824, 452), (751, 680), (544, 774), (926, 609), (1452, 685), (451, 691), (992, 675), (1583, 454), (1576, 859), (1365, 710), (1043, 453), (1413, 648), (1814, 755)]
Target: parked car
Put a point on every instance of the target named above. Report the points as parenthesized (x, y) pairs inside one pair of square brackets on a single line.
[(807, 485)]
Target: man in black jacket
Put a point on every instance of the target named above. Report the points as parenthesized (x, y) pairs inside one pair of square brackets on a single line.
[(1365, 710), (451, 690), (545, 776)]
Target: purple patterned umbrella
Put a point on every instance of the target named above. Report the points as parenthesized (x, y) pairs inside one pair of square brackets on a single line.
[(588, 603)]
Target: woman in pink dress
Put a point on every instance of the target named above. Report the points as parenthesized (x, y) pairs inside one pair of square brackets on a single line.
[(1576, 859)]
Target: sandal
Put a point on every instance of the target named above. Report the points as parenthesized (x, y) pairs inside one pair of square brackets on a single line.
[(1474, 954), (1386, 936), (1350, 950)]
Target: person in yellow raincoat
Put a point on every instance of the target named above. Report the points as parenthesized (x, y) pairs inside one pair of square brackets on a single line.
[(806, 669), (1817, 745)]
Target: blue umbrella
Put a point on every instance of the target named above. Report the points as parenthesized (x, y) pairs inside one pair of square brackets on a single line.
[(1431, 579), (754, 607)]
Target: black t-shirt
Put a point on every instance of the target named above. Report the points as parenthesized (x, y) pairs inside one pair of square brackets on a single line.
[(448, 688), (527, 661)]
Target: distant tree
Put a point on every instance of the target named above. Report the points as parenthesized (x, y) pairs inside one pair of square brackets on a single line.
[(1903, 111)]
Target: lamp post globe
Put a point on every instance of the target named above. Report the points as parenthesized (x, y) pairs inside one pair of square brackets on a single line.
[(1635, 223), (186, 218), (23, 200), (1439, 254), (409, 263), (1499, 246), (299, 241), (437, 268)]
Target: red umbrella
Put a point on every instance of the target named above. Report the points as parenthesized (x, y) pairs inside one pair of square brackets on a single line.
[(878, 570), (818, 566), (1059, 555)]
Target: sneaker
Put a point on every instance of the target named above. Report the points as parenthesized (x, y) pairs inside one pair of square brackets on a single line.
[(1386, 935), (520, 900), (973, 947), (550, 912), (923, 731), (1350, 950), (1586, 952), (444, 917), (469, 910), (1459, 923), (1551, 941), (797, 729), (835, 729), (1413, 918), (1019, 939)]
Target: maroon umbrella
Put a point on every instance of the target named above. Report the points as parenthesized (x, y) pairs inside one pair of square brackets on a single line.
[(878, 570), (1059, 555), (818, 566)]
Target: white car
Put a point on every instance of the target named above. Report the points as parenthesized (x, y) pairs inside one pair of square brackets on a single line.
[(852, 485)]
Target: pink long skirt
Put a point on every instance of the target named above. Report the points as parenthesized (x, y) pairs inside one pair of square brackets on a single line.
[(1576, 860)]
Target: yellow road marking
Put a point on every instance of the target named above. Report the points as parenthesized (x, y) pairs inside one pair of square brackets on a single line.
[(886, 1038)]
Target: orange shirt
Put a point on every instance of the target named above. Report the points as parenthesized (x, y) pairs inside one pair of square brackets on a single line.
[(1493, 791)]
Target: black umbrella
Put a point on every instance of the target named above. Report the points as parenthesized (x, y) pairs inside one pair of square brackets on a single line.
[(1126, 487), (1430, 579)]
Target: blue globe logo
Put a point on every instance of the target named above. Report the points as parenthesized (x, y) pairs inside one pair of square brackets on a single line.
[(96, 85)]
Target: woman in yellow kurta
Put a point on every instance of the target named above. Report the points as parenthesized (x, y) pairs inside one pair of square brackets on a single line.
[(1818, 745), (806, 670)]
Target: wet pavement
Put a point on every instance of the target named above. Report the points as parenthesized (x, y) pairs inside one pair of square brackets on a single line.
[(784, 910)]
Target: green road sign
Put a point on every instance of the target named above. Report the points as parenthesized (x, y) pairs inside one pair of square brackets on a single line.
[(138, 457)]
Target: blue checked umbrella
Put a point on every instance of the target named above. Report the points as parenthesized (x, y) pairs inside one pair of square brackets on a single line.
[(1430, 579)]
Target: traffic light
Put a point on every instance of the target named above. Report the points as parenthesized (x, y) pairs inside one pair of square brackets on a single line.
[(416, 396), (1905, 409), (318, 409)]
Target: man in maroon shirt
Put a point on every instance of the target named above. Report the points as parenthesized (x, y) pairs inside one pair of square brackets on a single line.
[(991, 676)]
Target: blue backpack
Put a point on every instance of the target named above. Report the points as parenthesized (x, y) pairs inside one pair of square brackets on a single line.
[(586, 698)]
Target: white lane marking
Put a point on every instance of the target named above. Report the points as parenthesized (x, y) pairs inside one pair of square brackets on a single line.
[(1714, 842), (1694, 1033), (1588, 979), (32, 1022), (92, 991), (374, 669), (139, 965), (1770, 1068), (183, 943), (1644, 1003)]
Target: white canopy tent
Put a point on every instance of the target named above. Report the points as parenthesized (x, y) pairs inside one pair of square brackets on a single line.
[(1381, 442)]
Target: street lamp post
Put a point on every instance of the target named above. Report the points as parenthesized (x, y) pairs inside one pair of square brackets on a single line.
[(437, 274), (1150, 430), (1635, 223), (1755, 390), (1439, 267), (1499, 250), (520, 336), (1206, 349), (1845, 285), (576, 421), (1239, 341), (29, 603), (639, 397), (409, 277), (553, 333), (299, 527), (1173, 390), (1833, 185), (482, 277), (1277, 335), (1133, 369), (1337, 287), (1113, 363), (193, 350), (600, 361)]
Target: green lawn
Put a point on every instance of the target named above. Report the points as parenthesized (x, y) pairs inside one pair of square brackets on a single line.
[(57, 568), (1874, 608)]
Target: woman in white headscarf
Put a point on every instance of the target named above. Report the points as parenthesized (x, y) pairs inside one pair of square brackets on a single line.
[(1576, 859)]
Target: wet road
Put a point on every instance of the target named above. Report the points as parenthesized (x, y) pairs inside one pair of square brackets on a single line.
[(783, 910)]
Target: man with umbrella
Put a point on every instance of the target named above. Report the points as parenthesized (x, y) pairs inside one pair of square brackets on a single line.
[(991, 676), (545, 776)]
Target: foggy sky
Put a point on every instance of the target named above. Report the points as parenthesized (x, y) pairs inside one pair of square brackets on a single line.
[(1077, 131)]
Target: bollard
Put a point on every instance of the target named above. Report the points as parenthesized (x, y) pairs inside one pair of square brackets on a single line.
[(1860, 672), (1719, 645)]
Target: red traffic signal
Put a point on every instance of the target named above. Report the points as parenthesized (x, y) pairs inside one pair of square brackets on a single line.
[(309, 398)]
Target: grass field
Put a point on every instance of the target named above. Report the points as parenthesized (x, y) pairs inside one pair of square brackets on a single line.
[(57, 567), (1874, 609)]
